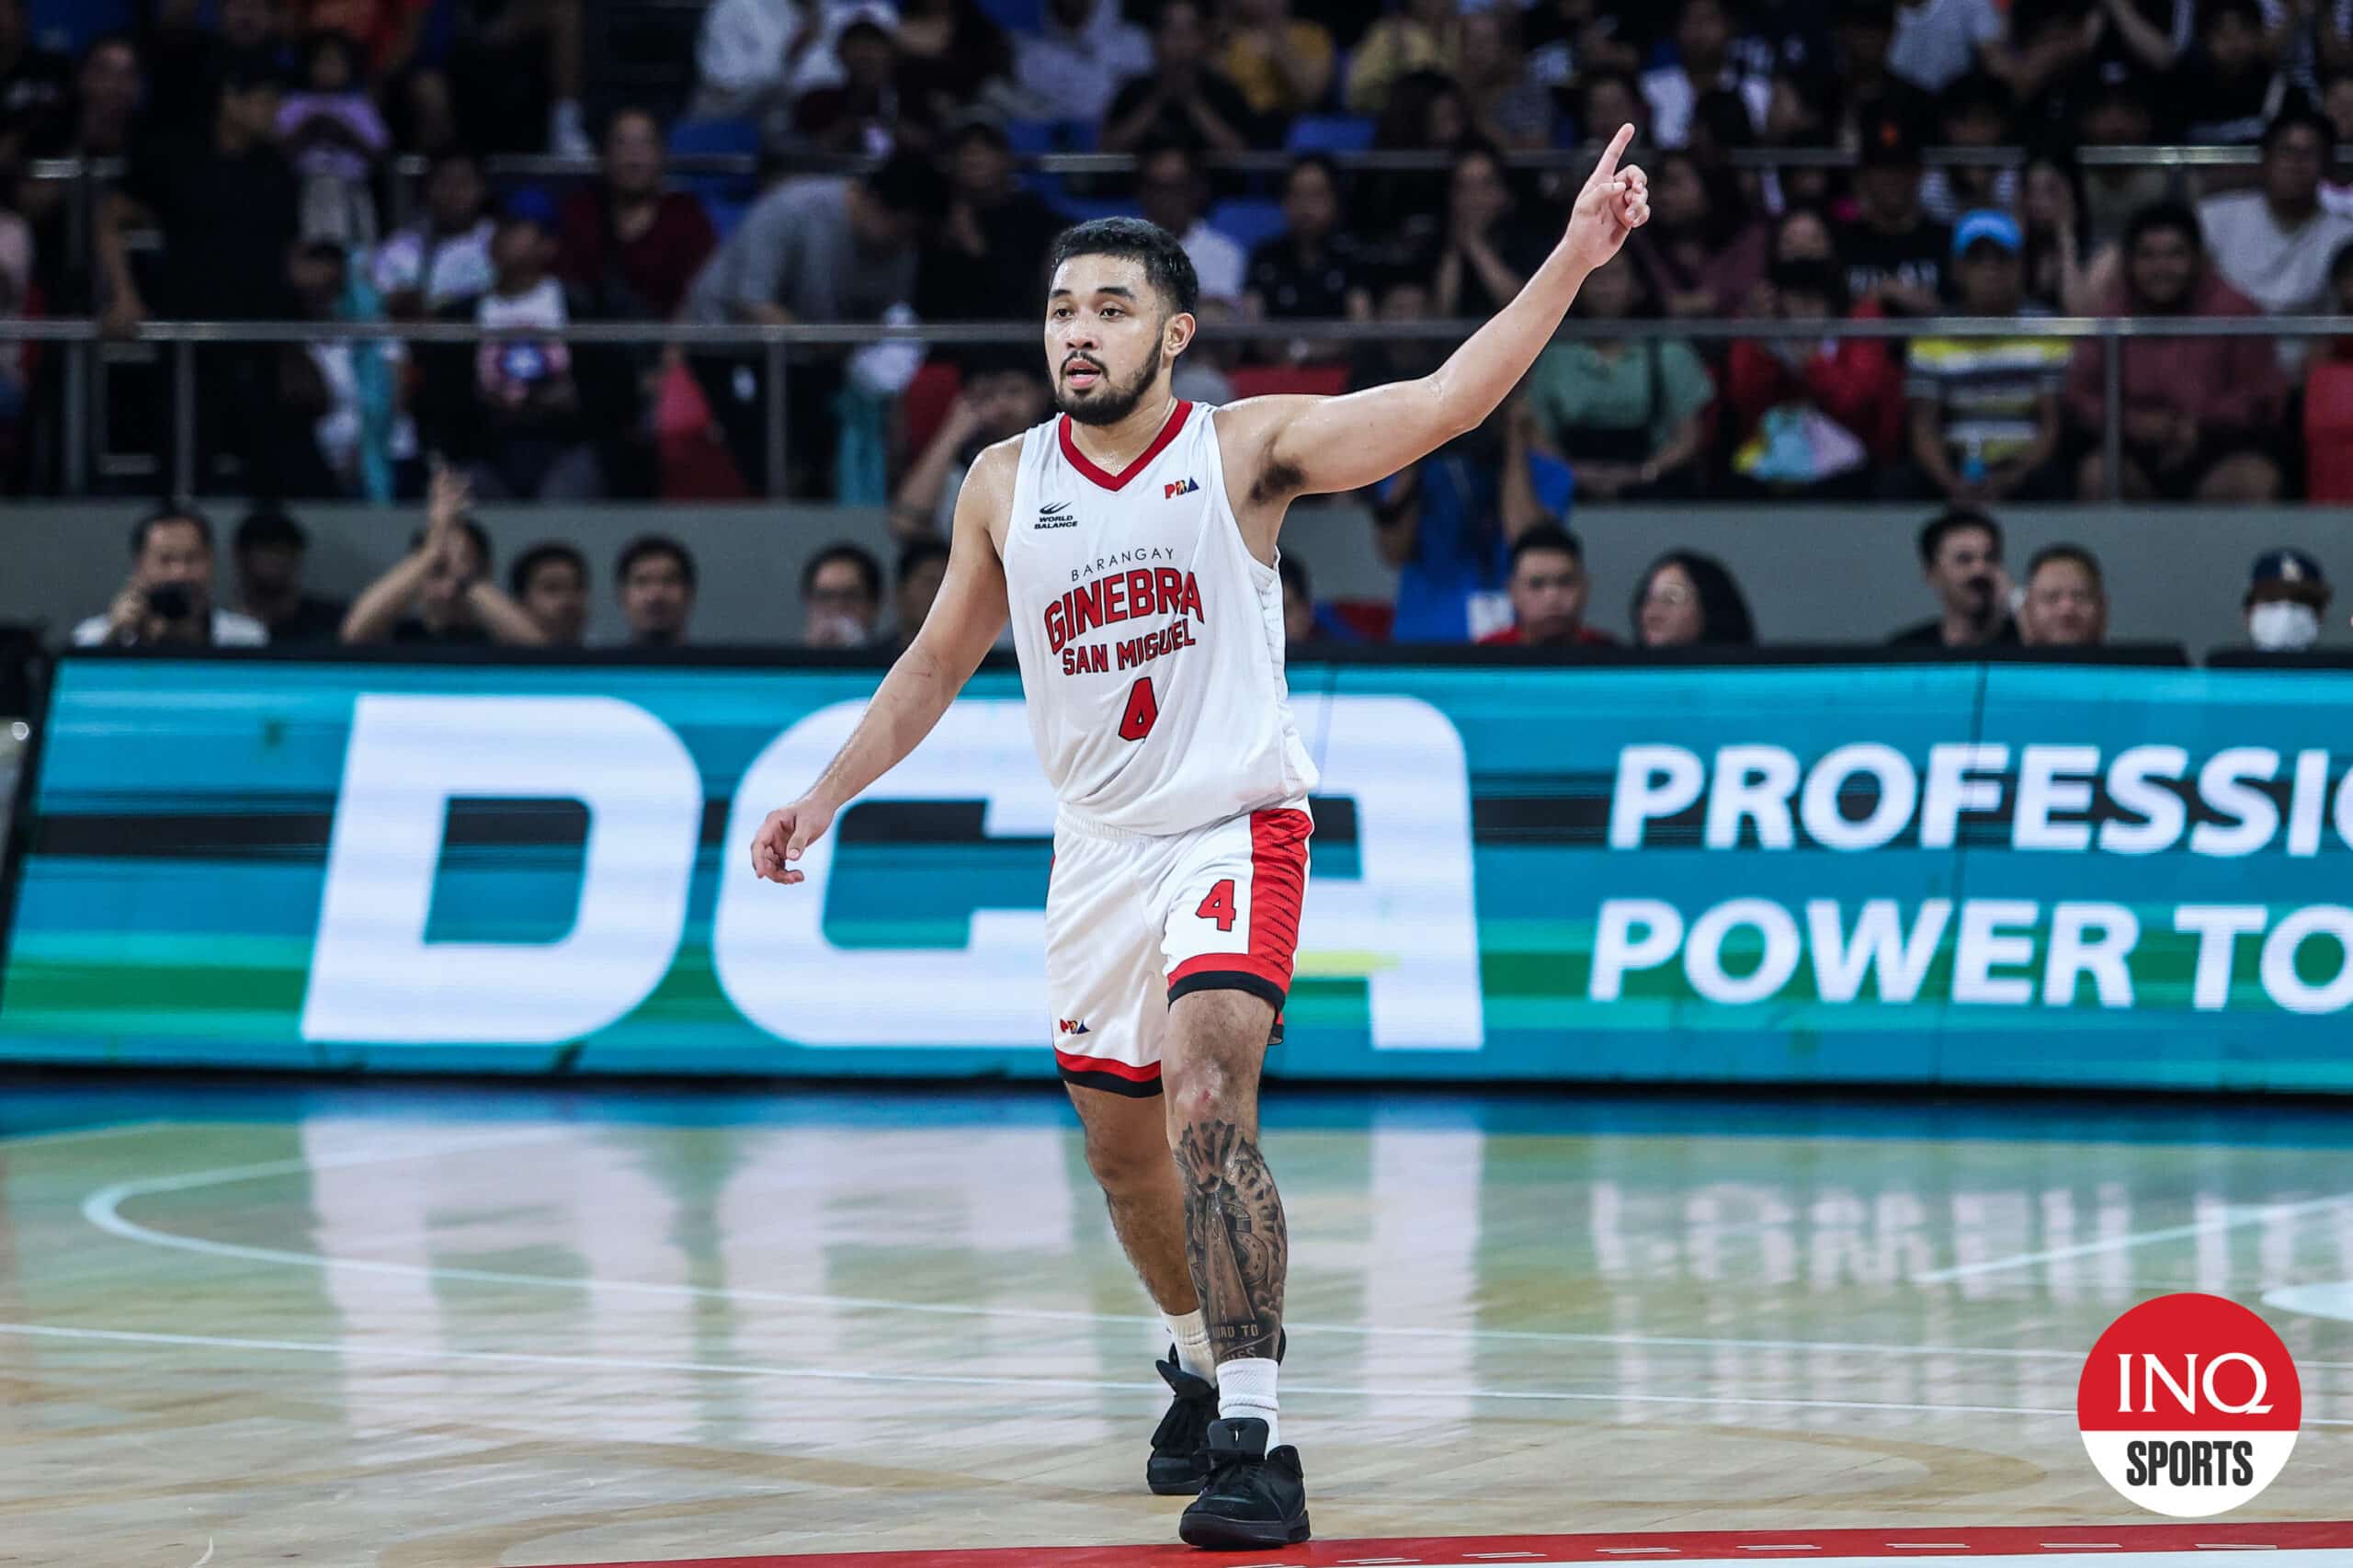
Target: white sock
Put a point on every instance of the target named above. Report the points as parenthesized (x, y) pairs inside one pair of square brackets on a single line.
[(1245, 1392), (1191, 1332)]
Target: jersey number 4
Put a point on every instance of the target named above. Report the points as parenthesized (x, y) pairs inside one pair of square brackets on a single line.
[(1143, 708), (1219, 905)]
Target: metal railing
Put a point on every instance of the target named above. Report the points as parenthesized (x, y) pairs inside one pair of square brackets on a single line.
[(776, 344)]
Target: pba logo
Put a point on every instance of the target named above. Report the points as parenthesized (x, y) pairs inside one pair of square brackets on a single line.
[(1177, 487), (2189, 1405)]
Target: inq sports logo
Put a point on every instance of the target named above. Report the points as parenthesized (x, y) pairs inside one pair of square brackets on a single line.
[(2189, 1405)]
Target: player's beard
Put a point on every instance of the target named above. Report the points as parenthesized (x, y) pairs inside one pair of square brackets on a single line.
[(1108, 403)]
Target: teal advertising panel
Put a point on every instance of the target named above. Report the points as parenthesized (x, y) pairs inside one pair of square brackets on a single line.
[(2005, 874)]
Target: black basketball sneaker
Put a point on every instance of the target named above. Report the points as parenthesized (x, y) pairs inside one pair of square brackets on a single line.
[(1180, 1461), (1252, 1498)]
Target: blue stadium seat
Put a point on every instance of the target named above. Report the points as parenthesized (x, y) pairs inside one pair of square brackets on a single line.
[(69, 25), (1017, 15), (721, 137), (1248, 223), (1330, 133), (716, 136)]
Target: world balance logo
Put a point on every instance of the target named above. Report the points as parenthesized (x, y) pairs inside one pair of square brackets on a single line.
[(2189, 1405)]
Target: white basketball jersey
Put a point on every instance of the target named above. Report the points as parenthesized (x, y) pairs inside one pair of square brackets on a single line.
[(1150, 640)]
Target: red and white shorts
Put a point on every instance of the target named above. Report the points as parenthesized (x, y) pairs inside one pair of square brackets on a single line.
[(1136, 921)]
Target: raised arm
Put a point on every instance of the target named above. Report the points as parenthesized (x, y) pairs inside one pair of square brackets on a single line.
[(964, 622), (1283, 447)]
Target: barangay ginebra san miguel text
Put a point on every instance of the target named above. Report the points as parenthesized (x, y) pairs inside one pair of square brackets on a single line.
[(1112, 592)]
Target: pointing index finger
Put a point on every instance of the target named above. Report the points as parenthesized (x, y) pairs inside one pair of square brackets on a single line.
[(1616, 150)]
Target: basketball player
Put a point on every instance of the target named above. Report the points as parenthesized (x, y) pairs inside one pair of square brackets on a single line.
[(1133, 542)]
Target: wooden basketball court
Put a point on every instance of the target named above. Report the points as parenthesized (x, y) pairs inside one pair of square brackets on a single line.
[(459, 1328)]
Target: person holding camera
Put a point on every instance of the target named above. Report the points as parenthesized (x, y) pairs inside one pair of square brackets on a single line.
[(168, 600), (441, 592)]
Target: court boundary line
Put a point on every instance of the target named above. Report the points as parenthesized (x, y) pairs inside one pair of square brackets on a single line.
[(102, 1208)]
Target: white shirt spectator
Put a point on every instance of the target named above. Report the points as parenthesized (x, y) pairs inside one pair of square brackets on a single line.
[(445, 271), (741, 56), (1937, 42), (230, 629), (1217, 261), (1073, 74), (2283, 270), (1672, 101)]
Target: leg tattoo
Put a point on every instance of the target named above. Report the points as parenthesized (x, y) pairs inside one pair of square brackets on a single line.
[(1236, 1240)]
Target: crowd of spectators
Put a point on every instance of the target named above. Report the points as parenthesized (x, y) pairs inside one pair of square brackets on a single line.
[(268, 150)]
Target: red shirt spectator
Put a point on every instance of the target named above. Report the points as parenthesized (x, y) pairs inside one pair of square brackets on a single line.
[(1853, 380), (1584, 637), (628, 243)]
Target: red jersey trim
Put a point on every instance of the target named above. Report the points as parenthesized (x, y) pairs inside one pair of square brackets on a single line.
[(1091, 469), (1070, 1062)]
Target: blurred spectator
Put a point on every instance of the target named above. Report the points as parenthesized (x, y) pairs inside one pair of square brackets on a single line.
[(270, 551), (1005, 393), (2062, 269), (1608, 99), (1182, 98), (1299, 602), (2116, 112), (168, 598), (1974, 113), (1893, 252), (623, 239), (987, 262), (1486, 252), (387, 31), (362, 442), (861, 114), (2229, 87), (1939, 40), (654, 579), (923, 566), (187, 58), (1171, 191), (551, 582), (1803, 233), (2286, 599), (1985, 409), (753, 56), (1626, 414), (1700, 253), (100, 122), (226, 203), (2337, 102), (333, 134), (1400, 209), (507, 81), (841, 590), (951, 52), (1086, 53), (36, 87), (1568, 39), (442, 260), (1506, 105), (1549, 591), (1425, 35), (2274, 244), (1687, 599), (1784, 36), (819, 249), (1812, 416), (2200, 414), (1313, 270), (1961, 555), (2066, 603), (2050, 48), (537, 445), (1443, 523), (440, 593), (1201, 375), (1281, 64), (1704, 63), (1861, 82)]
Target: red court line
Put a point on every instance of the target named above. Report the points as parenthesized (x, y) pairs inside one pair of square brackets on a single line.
[(1490, 1551)]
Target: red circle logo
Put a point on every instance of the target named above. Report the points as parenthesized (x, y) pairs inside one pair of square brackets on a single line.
[(2189, 1405)]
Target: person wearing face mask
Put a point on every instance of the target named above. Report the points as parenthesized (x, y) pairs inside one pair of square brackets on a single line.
[(2286, 597)]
